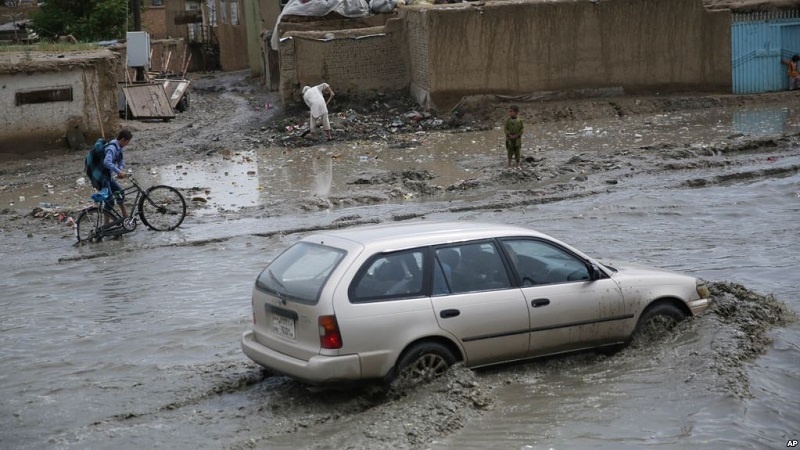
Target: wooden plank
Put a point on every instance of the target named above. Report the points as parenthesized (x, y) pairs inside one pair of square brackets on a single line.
[(175, 90), (148, 101)]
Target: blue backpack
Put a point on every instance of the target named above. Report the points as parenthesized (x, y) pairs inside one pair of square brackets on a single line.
[(93, 165)]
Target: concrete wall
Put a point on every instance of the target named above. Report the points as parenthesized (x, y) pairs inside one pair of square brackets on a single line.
[(523, 47), (91, 79), (354, 61)]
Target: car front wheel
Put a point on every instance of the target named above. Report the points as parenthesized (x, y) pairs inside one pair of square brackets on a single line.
[(657, 319)]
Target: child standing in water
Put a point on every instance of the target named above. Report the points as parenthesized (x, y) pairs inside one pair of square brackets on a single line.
[(513, 128)]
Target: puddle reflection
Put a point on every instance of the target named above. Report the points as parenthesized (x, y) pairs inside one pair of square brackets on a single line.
[(270, 175), (763, 122)]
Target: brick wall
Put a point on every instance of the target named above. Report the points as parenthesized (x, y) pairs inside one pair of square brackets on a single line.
[(357, 61), (154, 21)]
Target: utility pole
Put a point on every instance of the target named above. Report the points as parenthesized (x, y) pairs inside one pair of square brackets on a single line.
[(137, 26)]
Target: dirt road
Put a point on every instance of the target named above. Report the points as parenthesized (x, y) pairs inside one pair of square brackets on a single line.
[(99, 378), (571, 146)]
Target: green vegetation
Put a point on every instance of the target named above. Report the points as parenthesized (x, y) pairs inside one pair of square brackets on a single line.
[(86, 20), (48, 47)]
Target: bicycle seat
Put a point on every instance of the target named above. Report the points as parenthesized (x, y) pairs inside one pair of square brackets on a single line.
[(101, 195)]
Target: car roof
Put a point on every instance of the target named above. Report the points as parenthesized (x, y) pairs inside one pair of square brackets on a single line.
[(394, 236)]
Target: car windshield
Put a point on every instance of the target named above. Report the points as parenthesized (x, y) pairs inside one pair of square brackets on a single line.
[(300, 272)]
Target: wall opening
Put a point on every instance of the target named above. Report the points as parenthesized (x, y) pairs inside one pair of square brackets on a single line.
[(63, 94)]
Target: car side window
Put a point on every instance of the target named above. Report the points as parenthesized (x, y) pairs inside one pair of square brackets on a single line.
[(446, 260), (469, 267), (537, 262), (389, 276)]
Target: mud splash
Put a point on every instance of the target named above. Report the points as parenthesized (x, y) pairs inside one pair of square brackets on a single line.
[(285, 414), (745, 319), (411, 418)]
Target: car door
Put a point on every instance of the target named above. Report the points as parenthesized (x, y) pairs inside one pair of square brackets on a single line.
[(474, 300), (568, 310)]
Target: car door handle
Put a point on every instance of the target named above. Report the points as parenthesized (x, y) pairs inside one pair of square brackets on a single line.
[(449, 313), (540, 302)]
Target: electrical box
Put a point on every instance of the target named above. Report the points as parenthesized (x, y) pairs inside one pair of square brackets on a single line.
[(139, 49)]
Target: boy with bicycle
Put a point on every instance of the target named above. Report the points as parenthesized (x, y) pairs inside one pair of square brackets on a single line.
[(113, 164)]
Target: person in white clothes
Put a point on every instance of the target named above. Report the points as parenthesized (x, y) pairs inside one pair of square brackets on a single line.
[(315, 99)]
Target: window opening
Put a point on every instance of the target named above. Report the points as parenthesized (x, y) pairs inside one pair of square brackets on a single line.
[(61, 94)]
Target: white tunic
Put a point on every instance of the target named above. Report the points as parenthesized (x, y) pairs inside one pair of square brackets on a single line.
[(315, 100)]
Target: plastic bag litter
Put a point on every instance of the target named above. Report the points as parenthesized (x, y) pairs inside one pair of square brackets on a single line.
[(383, 6), (101, 195)]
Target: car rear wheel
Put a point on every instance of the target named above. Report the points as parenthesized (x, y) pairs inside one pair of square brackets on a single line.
[(657, 319), (423, 362)]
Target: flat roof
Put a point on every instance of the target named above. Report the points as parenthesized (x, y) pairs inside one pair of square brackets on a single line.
[(49, 61)]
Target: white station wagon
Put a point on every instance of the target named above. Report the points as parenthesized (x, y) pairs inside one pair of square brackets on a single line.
[(410, 300)]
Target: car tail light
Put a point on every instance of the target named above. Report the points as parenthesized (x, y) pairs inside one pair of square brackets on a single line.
[(329, 336)]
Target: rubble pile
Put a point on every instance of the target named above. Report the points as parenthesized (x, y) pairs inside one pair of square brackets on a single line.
[(379, 117)]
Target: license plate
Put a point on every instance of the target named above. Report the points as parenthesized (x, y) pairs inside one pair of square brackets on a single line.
[(283, 326)]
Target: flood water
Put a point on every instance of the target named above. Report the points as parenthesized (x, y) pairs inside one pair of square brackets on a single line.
[(267, 175), (125, 344), (746, 233)]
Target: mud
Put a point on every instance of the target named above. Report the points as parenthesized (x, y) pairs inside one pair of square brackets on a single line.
[(745, 318), (229, 130), (275, 412), (234, 130)]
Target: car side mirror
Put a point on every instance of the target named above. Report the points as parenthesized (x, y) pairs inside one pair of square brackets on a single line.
[(594, 272)]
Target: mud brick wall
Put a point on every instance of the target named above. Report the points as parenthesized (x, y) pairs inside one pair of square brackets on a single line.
[(416, 31), (355, 61), (89, 79), (288, 71), (523, 47)]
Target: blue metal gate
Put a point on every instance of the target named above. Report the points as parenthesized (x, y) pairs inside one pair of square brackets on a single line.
[(759, 41)]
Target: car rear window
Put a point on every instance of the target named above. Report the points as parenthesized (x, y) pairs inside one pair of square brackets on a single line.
[(390, 276), (300, 272)]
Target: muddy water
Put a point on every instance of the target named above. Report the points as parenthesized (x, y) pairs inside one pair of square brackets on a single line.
[(134, 343), (265, 176), (269, 175), (663, 396), (137, 345)]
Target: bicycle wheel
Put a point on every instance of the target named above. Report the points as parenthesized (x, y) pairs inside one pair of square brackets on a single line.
[(162, 208), (88, 221)]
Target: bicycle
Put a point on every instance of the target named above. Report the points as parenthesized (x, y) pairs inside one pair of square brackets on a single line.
[(160, 208)]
